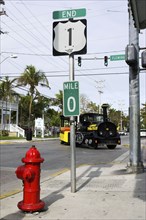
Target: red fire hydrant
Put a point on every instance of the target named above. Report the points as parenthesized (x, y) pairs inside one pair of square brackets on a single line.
[(30, 175)]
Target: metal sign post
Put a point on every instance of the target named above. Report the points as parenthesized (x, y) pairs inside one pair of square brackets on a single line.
[(70, 38), (72, 131)]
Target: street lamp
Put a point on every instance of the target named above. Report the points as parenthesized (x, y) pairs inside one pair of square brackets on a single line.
[(11, 56), (44, 85)]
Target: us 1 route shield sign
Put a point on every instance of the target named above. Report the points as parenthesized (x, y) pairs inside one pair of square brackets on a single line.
[(69, 37), (71, 106)]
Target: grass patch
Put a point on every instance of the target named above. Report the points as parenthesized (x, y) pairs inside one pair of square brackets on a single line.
[(20, 138), (11, 138)]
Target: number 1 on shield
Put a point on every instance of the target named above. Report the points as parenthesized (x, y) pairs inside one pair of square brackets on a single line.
[(70, 36)]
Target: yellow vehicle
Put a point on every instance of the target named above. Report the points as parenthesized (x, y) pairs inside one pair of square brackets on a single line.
[(65, 130), (92, 130)]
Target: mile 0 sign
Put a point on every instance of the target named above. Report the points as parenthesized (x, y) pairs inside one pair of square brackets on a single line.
[(69, 37), (71, 102)]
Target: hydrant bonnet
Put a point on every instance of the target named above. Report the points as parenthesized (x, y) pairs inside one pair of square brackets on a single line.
[(32, 156)]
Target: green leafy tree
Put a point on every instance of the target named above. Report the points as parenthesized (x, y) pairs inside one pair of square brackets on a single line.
[(23, 111), (54, 118), (84, 102), (114, 116), (86, 105), (32, 78), (58, 101), (54, 115), (40, 105), (143, 116), (92, 107), (7, 92), (117, 118)]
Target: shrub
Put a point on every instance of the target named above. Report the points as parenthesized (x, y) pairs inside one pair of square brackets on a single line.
[(4, 133)]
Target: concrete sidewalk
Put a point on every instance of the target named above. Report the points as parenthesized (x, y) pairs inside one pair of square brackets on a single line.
[(104, 191)]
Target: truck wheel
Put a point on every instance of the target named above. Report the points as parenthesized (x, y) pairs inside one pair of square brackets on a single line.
[(78, 145), (96, 146), (93, 146), (79, 138), (111, 146)]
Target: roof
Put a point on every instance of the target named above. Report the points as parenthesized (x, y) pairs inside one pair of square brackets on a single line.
[(138, 8)]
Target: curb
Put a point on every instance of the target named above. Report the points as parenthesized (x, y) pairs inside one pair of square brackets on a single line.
[(25, 141)]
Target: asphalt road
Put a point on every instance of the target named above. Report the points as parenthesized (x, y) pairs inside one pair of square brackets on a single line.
[(56, 158)]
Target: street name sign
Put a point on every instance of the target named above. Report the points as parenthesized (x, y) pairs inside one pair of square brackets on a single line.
[(71, 106), (68, 14), (69, 37), (117, 57)]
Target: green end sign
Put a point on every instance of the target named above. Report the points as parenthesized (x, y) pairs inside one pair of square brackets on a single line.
[(71, 106), (67, 14)]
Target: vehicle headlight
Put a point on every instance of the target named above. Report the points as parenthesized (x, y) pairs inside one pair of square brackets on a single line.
[(86, 141), (90, 141)]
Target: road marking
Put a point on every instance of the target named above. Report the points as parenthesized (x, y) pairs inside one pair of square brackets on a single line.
[(121, 158), (60, 172), (4, 142), (10, 194)]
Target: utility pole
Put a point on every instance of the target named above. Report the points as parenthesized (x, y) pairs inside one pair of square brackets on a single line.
[(100, 86), (121, 104), (135, 164), (2, 12)]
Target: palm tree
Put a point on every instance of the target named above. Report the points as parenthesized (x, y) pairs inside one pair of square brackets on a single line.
[(32, 78), (6, 89), (7, 93), (58, 101)]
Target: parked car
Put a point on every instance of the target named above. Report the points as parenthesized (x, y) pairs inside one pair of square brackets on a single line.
[(122, 133)]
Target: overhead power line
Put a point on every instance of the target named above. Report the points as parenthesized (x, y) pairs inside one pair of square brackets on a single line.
[(39, 54), (89, 74), (24, 27), (60, 71)]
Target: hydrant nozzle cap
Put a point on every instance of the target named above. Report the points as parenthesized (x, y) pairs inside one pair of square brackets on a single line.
[(32, 156)]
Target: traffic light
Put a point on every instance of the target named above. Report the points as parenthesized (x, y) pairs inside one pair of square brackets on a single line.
[(79, 61), (106, 60), (131, 55)]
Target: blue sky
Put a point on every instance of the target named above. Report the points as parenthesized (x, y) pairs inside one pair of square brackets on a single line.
[(30, 24)]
